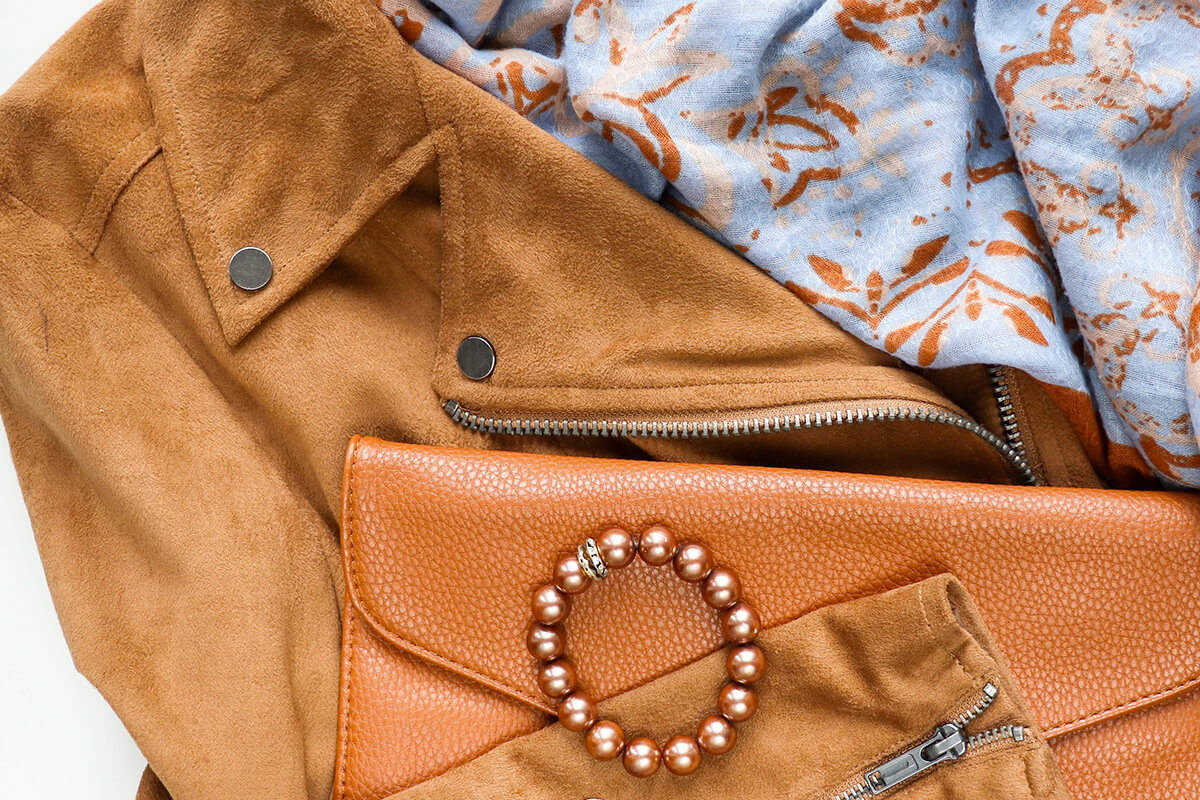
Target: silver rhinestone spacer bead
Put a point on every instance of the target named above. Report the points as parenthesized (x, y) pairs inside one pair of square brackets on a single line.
[(591, 561)]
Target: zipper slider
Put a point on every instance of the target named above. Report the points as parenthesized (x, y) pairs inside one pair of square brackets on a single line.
[(947, 743)]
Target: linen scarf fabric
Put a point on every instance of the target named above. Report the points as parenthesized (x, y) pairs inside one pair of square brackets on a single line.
[(953, 181)]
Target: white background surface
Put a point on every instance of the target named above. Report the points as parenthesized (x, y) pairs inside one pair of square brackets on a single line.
[(58, 738)]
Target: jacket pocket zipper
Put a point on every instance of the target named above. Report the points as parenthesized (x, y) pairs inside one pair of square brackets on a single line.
[(1009, 446), (950, 741)]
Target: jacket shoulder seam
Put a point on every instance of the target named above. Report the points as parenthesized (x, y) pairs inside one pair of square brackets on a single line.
[(116, 175), (58, 226)]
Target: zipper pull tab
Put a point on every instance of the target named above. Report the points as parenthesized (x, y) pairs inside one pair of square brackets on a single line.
[(947, 743)]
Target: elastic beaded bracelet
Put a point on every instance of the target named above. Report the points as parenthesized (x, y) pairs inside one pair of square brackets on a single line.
[(721, 589)]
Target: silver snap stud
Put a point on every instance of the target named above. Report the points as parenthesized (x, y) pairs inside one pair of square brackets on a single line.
[(250, 268), (476, 357)]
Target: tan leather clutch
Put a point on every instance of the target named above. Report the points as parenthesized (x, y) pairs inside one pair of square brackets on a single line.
[(1092, 596)]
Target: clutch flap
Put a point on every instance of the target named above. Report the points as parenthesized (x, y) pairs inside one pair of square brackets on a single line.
[(1094, 596)]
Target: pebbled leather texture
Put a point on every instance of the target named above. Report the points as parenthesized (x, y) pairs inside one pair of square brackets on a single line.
[(1093, 596)]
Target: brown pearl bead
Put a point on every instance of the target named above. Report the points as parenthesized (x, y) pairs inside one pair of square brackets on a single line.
[(569, 575), (616, 547), (642, 757), (693, 562), (550, 604), (737, 703), (557, 678), (577, 712), (605, 740), (716, 735), (740, 623), (746, 663), (681, 754), (657, 545), (721, 588), (545, 642)]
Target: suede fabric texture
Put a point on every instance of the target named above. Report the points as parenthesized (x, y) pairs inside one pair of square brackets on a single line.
[(179, 441), (848, 687)]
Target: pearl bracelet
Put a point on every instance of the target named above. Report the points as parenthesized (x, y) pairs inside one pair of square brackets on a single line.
[(721, 589)]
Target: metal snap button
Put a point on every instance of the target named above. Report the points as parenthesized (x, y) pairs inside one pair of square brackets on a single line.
[(476, 357), (250, 268)]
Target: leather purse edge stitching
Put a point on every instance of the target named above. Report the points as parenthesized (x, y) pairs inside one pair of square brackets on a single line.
[(1123, 709), (373, 619), (344, 690)]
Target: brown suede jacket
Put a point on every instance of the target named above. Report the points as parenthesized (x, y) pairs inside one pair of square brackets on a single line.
[(180, 439)]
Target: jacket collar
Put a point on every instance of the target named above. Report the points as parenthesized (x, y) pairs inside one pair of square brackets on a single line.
[(284, 126), (287, 126)]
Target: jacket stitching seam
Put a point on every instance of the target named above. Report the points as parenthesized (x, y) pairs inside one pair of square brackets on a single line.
[(252, 309), (104, 172), (450, 185), (1027, 761), (101, 216), (937, 640), (102, 225), (415, 74), (66, 234), (865, 764), (162, 63), (71, 233), (609, 387), (384, 177)]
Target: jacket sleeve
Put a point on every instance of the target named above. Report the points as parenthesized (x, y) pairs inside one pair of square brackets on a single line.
[(196, 584)]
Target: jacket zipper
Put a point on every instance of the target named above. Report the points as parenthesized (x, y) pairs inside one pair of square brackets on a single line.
[(697, 428), (1008, 413), (950, 741)]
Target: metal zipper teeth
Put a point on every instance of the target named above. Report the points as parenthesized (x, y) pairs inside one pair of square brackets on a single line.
[(1003, 733), (987, 697), (856, 792), (747, 426), (1008, 413)]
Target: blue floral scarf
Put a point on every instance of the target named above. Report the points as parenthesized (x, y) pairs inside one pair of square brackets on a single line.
[(952, 181)]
